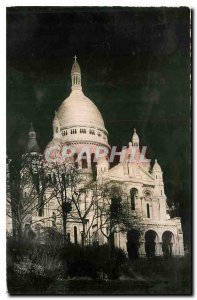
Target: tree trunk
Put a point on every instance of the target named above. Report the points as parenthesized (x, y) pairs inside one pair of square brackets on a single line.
[(83, 235), (111, 245), (109, 248), (64, 227), (19, 232)]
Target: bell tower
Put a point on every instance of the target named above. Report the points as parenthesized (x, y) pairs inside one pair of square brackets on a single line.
[(32, 144)]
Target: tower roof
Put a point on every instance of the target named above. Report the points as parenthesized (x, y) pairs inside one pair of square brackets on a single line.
[(32, 144), (135, 139), (156, 167), (75, 67)]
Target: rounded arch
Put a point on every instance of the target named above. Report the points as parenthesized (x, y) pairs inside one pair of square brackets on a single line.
[(148, 210), (151, 239), (75, 230), (133, 196), (148, 196), (168, 241), (133, 243), (154, 231), (168, 234)]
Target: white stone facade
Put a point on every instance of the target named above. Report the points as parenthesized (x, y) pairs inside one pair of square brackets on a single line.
[(79, 122)]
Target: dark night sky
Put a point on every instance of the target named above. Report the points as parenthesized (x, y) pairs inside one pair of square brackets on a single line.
[(135, 67)]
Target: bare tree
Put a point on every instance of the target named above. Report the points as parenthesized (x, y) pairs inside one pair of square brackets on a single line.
[(27, 185), (115, 213), (63, 182), (76, 197), (85, 201)]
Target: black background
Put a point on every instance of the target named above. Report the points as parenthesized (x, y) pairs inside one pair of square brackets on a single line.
[(135, 66)]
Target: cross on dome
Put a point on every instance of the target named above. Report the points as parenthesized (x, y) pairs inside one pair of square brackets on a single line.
[(75, 57)]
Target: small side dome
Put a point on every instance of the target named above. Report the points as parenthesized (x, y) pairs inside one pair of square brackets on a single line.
[(156, 167)]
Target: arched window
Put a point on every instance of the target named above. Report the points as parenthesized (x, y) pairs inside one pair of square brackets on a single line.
[(56, 129), (75, 235), (82, 130), (133, 196), (148, 210), (151, 239), (84, 163), (167, 243), (68, 237)]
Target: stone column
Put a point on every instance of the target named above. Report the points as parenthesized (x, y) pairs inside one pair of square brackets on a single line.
[(158, 249), (80, 164), (180, 244), (89, 164), (142, 252)]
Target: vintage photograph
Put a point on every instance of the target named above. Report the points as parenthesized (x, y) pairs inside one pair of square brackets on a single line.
[(98, 156)]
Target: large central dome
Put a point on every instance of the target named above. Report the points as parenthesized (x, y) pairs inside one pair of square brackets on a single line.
[(78, 110), (78, 120)]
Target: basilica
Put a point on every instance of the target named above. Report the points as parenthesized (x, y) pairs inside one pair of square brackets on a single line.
[(79, 123)]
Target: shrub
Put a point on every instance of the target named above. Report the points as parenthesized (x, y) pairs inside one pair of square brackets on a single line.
[(91, 260), (32, 267)]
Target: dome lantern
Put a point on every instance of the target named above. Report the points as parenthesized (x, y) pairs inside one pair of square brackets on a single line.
[(76, 75)]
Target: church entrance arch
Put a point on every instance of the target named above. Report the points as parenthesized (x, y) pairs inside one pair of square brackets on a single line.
[(167, 243), (133, 243), (150, 243)]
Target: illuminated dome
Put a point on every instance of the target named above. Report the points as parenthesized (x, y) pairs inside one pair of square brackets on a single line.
[(79, 119), (77, 109)]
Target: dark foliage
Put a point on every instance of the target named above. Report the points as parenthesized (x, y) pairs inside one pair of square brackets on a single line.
[(90, 261), (34, 268), (31, 266)]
